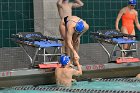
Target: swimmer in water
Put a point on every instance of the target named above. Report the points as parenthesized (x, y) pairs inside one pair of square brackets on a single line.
[(63, 74)]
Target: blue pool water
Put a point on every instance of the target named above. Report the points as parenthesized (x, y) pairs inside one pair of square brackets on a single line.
[(129, 85)]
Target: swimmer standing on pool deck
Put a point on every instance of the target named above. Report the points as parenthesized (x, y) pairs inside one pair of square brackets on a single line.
[(65, 9), (71, 27), (128, 15), (75, 28)]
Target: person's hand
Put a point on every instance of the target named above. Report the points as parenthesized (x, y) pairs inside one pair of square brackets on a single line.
[(76, 41), (76, 56), (117, 29), (76, 61), (75, 38), (73, 80), (138, 27), (138, 76)]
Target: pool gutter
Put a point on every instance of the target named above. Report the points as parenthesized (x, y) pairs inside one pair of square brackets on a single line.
[(35, 76)]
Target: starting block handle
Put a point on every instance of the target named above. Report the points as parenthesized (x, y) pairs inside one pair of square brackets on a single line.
[(100, 35), (127, 35), (53, 38), (35, 39), (50, 62)]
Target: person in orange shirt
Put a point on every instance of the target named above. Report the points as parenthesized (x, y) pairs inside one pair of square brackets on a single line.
[(129, 16)]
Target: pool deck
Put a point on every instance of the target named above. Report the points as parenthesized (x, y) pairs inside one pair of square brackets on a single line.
[(93, 59), (36, 76)]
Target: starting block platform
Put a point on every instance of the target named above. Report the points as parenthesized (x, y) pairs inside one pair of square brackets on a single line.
[(117, 39), (53, 65), (41, 45), (127, 60)]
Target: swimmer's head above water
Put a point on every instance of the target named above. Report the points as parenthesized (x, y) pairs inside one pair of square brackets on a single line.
[(64, 60)]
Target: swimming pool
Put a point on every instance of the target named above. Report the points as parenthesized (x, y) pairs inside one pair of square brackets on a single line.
[(114, 85)]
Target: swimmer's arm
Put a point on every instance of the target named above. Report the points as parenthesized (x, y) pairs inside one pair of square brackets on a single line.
[(59, 6), (79, 69), (137, 21), (69, 43), (73, 80), (56, 73), (138, 76), (118, 19), (77, 3), (59, 3), (81, 34)]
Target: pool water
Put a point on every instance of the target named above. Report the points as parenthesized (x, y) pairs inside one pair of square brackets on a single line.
[(116, 85)]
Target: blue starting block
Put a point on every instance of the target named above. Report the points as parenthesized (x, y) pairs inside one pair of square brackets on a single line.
[(40, 43), (123, 41), (118, 39)]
